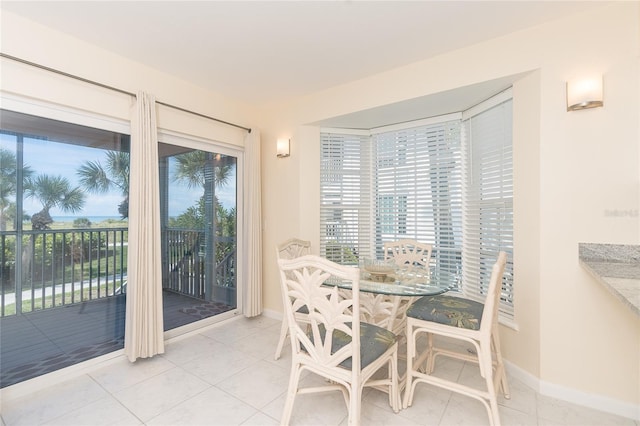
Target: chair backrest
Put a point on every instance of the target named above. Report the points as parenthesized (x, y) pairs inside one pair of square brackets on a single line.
[(293, 248), (492, 302), (408, 252), (331, 316)]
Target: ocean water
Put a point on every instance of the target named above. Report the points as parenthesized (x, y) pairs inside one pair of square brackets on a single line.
[(92, 219)]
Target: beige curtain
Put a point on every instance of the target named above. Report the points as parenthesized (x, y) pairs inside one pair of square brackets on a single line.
[(252, 224), (144, 327)]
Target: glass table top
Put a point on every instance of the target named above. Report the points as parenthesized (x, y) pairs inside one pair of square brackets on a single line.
[(403, 282)]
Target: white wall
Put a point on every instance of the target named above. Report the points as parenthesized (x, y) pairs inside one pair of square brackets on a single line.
[(570, 170), (33, 42)]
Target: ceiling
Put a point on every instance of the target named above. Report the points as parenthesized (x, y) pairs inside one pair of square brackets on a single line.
[(266, 51), (450, 101)]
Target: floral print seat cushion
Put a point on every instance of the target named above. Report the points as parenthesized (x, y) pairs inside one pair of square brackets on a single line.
[(449, 310), (374, 341)]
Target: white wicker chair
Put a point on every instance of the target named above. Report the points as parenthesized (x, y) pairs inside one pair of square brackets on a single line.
[(290, 249), (335, 344), (407, 254), (466, 320)]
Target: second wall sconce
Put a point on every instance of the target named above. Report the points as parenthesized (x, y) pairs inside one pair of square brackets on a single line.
[(584, 93), (282, 148)]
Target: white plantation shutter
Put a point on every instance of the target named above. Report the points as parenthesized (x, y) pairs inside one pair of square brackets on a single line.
[(345, 197), (488, 198), (418, 189)]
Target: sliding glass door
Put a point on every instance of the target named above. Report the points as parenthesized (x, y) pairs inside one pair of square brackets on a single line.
[(199, 228), (63, 244), (64, 207)]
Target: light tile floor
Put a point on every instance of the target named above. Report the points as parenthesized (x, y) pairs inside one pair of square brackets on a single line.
[(226, 375)]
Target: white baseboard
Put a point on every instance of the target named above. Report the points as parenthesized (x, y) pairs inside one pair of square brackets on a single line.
[(597, 402), (272, 314), (522, 375)]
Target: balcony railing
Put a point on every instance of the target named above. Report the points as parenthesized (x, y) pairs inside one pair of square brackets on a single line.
[(187, 266), (46, 269)]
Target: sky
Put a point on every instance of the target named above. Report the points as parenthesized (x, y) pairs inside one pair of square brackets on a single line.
[(58, 159)]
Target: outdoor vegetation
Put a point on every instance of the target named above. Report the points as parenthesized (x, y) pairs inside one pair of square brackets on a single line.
[(78, 260)]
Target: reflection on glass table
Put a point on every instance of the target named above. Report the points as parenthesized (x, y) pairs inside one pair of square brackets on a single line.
[(386, 294), (403, 281)]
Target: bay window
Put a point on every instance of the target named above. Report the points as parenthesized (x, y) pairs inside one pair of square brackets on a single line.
[(446, 181)]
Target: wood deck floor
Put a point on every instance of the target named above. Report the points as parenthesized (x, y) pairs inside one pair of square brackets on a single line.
[(40, 342)]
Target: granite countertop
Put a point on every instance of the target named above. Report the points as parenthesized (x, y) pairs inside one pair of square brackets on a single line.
[(617, 267)]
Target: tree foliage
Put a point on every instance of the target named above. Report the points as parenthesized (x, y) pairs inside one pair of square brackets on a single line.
[(196, 169), (192, 168), (9, 186), (53, 191), (99, 179), (82, 222)]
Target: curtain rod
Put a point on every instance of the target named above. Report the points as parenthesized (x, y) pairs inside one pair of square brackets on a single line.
[(115, 89)]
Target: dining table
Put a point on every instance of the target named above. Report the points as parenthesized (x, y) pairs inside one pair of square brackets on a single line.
[(385, 297)]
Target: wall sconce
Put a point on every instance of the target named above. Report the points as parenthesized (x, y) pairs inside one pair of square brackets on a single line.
[(282, 148), (583, 94)]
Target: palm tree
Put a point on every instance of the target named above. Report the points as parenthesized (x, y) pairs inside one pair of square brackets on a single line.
[(53, 191), (210, 172), (192, 169), (8, 185), (98, 179), (196, 169)]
